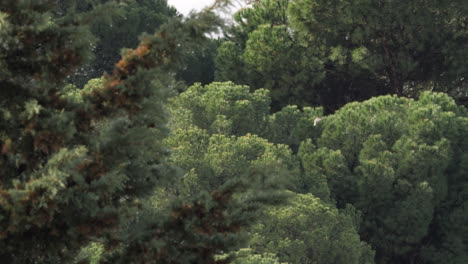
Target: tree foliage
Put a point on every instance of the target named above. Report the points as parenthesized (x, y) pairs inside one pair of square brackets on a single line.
[(306, 54), (245, 256), (199, 63), (406, 43), (230, 109), (212, 160), (401, 163), (263, 52), (307, 230), (116, 25), (115, 172), (78, 165)]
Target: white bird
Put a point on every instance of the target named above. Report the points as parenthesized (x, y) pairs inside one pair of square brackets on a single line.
[(317, 120)]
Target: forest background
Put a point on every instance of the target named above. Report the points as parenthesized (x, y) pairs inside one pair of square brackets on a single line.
[(311, 132)]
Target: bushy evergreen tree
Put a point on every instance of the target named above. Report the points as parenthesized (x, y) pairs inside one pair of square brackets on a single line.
[(307, 54), (108, 174), (78, 165), (133, 18), (223, 108), (402, 163), (122, 27), (308, 230), (199, 63), (211, 140), (212, 160), (53, 181), (230, 109), (405, 44), (261, 51)]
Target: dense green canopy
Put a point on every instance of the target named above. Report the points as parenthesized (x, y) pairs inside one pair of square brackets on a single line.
[(307, 230), (80, 166), (322, 146), (402, 163), (333, 52)]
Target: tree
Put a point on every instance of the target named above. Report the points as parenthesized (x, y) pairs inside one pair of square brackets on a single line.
[(199, 64), (212, 160), (298, 73), (223, 108), (245, 256), (401, 162), (42, 171), (216, 136), (307, 55), (78, 165), (122, 30), (307, 230), (130, 19), (406, 44), (211, 141), (229, 109), (263, 53)]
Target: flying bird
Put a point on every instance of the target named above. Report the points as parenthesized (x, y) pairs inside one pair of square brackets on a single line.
[(317, 120)]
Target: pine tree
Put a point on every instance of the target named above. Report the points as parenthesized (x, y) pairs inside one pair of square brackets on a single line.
[(211, 139), (309, 230), (406, 44), (131, 18), (306, 54), (230, 109), (402, 163), (77, 165)]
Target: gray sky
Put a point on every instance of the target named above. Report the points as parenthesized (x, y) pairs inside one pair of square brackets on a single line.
[(185, 6)]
